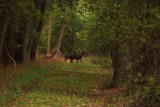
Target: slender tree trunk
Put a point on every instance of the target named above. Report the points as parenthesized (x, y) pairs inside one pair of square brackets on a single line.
[(119, 62), (12, 59), (56, 49), (116, 64), (36, 39), (50, 30), (2, 39), (34, 49), (59, 41), (58, 45), (26, 39), (35, 45)]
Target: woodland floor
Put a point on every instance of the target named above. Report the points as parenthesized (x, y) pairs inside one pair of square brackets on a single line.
[(54, 83)]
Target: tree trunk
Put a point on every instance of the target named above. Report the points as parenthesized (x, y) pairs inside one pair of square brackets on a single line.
[(116, 64), (2, 39), (26, 40), (119, 63), (36, 39), (56, 49), (50, 30), (35, 45), (58, 45), (12, 59)]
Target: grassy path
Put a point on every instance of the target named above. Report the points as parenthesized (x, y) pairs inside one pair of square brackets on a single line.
[(59, 84)]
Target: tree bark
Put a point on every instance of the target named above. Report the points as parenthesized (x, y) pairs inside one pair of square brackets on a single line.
[(50, 30), (12, 59), (116, 64), (2, 39), (119, 62), (36, 39), (56, 49), (59, 41), (58, 45), (26, 39), (35, 45)]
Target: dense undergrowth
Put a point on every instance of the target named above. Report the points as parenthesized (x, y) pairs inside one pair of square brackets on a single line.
[(143, 91), (140, 90)]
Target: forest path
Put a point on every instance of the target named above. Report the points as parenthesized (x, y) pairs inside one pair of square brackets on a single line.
[(60, 84)]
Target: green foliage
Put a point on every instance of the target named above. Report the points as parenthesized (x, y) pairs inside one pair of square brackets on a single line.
[(126, 32), (132, 26), (143, 90), (101, 61), (71, 40)]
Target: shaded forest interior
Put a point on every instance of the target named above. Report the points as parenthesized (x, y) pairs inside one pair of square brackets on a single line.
[(119, 35)]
